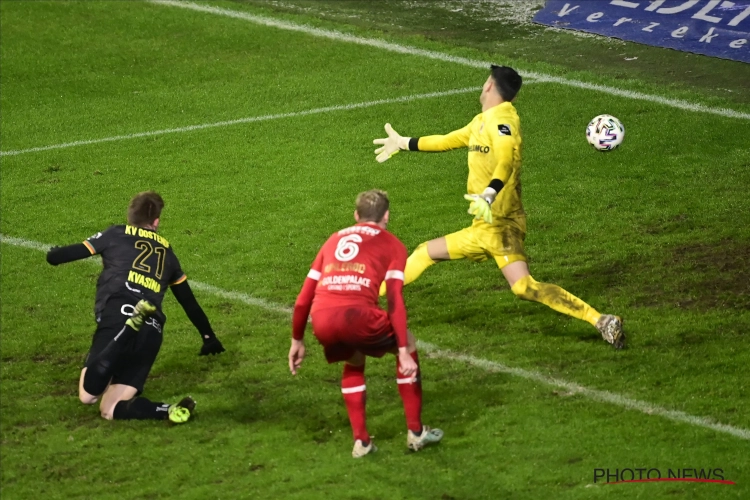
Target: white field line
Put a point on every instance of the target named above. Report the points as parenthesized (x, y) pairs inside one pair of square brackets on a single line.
[(251, 119), (241, 297), (429, 54), (490, 366), (595, 394)]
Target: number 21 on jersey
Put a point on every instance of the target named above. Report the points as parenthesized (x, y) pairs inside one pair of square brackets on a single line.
[(147, 249)]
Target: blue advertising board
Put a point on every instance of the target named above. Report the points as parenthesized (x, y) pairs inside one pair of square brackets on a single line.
[(716, 28)]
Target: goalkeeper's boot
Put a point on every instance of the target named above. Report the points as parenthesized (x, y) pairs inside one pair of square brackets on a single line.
[(610, 327), (182, 411), (143, 310), (428, 436), (360, 450)]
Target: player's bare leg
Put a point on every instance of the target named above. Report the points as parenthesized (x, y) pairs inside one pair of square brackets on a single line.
[(425, 255), (99, 368), (437, 249), (113, 395), (85, 397), (410, 389), (557, 298), (353, 389)]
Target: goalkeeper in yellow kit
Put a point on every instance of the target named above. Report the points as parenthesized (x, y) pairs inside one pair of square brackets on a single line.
[(493, 139)]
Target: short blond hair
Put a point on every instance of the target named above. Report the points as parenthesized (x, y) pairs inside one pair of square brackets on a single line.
[(372, 205)]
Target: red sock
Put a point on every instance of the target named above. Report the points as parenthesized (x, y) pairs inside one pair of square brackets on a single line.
[(353, 389), (411, 394)]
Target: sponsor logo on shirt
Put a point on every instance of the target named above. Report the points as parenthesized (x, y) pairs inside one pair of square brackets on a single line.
[(476, 148), (503, 130), (152, 322), (356, 267), (345, 282)]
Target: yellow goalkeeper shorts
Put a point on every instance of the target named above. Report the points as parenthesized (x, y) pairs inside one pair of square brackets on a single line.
[(502, 241)]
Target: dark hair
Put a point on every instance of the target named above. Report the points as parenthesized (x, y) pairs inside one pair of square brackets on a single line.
[(144, 208), (372, 205), (507, 81)]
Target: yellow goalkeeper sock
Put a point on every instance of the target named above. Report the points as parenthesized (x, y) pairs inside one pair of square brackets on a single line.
[(553, 296), (417, 262)]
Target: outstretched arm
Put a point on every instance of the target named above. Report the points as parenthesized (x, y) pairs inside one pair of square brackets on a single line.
[(61, 255), (435, 143), (395, 142), (184, 295)]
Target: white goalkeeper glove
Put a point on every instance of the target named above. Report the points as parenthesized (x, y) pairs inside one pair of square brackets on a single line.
[(481, 204), (391, 144)]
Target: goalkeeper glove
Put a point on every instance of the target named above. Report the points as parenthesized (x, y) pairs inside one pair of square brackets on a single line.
[(481, 204), (211, 345), (390, 145)]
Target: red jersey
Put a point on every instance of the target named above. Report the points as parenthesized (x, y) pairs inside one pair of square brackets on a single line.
[(348, 271)]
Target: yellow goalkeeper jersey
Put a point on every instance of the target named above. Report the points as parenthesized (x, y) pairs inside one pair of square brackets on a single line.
[(494, 141)]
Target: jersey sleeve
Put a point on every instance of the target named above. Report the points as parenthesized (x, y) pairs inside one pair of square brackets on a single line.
[(100, 241), (394, 291), (453, 140), (61, 255), (176, 275), (184, 295), (303, 304), (503, 147)]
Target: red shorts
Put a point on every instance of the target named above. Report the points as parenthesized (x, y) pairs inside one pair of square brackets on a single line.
[(342, 331)]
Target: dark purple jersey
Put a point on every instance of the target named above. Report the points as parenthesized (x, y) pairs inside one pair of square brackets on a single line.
[(135, 259)]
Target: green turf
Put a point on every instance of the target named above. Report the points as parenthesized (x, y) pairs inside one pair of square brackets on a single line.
[(492, 28), (656, 231)]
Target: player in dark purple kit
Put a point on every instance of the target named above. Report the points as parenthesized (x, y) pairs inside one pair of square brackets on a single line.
[(139, 265)]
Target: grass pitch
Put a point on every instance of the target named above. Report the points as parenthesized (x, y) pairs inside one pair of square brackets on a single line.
[(656, 231)]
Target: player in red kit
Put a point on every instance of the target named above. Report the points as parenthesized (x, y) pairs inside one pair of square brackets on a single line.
[(341, 295)]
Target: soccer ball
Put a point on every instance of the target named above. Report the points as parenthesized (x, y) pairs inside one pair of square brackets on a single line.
[(605, 132)]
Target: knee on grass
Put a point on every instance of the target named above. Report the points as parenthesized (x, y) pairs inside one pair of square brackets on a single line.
[(107, 413), (87, 398)]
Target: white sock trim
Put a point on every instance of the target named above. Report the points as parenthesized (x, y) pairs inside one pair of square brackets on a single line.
[(352, 390)]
